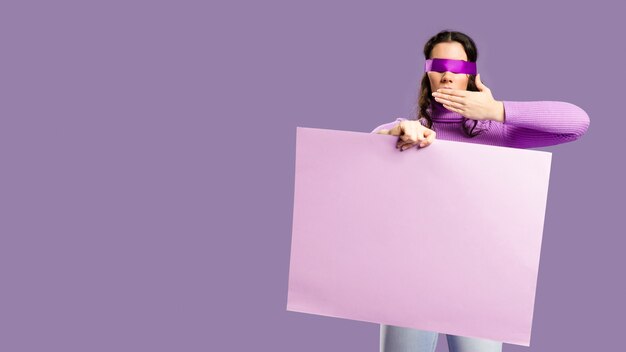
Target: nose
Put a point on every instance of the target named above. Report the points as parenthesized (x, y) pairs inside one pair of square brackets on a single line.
[(447, 77)]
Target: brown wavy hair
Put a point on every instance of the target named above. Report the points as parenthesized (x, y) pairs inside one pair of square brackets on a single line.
[(472, 128)]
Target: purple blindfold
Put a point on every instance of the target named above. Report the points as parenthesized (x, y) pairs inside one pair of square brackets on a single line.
[(456, 66)]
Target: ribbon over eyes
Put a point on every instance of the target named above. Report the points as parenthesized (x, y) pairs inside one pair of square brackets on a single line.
[(456, 66)]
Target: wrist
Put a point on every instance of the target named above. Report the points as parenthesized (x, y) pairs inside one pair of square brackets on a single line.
[(498, 111)]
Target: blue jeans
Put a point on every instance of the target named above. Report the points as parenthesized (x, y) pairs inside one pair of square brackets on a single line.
[(400, 339)]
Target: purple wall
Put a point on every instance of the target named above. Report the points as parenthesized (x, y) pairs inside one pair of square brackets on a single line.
[(147, 162)]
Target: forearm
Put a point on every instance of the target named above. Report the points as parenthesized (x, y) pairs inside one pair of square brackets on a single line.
[(554, 122)]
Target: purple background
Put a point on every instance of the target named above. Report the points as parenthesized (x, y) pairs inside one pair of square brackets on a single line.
[(147, 162)]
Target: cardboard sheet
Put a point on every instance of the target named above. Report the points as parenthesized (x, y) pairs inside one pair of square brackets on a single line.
[(446, 238)]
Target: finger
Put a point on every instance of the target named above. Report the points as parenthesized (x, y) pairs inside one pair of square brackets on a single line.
[(450, 102), (407, 146), (479, 83), (426, 142), (402, 145), (430, 137), (452, 108), (383, 132), (396, 130), (410, 135), (449, 97), (455, 92), (482, 87)]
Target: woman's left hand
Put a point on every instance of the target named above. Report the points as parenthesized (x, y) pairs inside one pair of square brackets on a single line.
[(473, 105)]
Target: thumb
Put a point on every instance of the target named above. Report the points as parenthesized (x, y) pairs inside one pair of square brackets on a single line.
[(479, 84), (395, 130)]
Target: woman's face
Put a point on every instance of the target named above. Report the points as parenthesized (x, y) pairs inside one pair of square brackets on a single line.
[(453, 51)]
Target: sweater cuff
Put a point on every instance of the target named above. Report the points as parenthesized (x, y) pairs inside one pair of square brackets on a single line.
[(516, 114), (388, 125), (526, 113)]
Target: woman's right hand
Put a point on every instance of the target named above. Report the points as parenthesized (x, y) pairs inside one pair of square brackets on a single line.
[(411, 133)]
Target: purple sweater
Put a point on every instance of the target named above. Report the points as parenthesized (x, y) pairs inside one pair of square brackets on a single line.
[(527, 124)]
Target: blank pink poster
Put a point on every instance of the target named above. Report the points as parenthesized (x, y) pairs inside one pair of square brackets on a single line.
[(445, 238)]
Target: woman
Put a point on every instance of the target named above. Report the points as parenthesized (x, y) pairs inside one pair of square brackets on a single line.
[(455, 105)]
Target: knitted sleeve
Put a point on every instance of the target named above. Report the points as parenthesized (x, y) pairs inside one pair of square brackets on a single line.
[(542, 123)]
